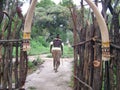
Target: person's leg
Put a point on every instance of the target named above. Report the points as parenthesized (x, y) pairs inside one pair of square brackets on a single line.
[(54, 63), (58, 59), (57, 64), (53, 55)]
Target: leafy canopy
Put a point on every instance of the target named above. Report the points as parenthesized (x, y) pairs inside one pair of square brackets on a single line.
[(49, 20)]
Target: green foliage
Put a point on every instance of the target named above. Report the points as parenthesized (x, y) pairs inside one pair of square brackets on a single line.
[(14, 52), (45, 3), (51, 20), (68, 52), (42, 40), (30, 64), (39, 60), (33, 64), (38, 46), (70, 37), (32, 88), (67, 3), (71, 83)]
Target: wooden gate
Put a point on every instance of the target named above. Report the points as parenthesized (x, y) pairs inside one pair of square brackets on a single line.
[(13, 64), (96, 52), (14, 42)]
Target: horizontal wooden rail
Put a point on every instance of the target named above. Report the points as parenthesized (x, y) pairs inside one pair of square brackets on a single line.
[(115, 46), (12, 40), (111, 44), (84, 42), (96, 40), (83, 82)]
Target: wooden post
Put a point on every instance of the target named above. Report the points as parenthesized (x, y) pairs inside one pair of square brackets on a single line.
[(74, 16)]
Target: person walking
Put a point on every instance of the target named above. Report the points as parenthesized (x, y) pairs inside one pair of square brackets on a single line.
[(56, 48)]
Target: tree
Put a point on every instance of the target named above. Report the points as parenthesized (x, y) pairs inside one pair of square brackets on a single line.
[(51, 20), (66, 3), (45, 3)]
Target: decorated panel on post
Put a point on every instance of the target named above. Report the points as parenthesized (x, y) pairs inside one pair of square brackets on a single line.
[(26, 41)]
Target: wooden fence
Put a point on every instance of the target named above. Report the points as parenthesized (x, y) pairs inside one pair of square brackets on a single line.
[(90, 71)]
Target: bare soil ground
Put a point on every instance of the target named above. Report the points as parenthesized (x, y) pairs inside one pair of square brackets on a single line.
[(45, 78)]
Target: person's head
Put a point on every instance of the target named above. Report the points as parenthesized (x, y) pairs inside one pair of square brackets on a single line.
[(57, 36)]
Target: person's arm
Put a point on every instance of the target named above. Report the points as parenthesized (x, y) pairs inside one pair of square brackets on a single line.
[(50, 48), (62, 48), (51, 44)]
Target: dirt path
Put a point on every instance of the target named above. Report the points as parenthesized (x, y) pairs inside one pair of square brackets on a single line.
[(44, 78)]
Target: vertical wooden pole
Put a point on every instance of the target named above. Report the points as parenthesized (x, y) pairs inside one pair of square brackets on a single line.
[(74, 16), (75, 47)]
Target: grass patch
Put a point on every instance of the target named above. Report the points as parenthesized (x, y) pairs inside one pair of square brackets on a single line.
[(32, 65), (38, 48), (31, 88), (71, 83)]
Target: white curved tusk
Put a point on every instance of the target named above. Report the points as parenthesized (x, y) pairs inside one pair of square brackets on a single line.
[(29, 16), (103, 30), (27, 26)]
